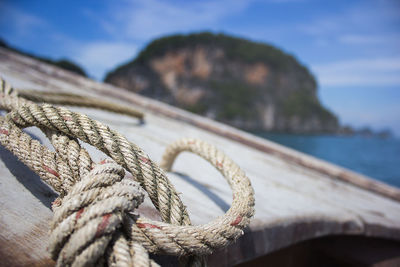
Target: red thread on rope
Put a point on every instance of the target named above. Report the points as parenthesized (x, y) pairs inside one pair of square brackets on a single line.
[(237, 220), (67, 118), (51, 171), (4, 131), (103, 225), (56, 202), (79, 213), (147, 225), (145, 160)]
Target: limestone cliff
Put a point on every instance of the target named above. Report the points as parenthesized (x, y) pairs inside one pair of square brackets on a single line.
[(249, 85)]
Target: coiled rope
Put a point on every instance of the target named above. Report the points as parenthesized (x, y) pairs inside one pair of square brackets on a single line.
[(93, 224)]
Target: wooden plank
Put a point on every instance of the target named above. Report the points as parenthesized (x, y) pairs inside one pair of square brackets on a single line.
[(294, 200)]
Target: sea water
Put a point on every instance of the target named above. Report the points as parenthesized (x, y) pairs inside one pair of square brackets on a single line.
[(375, 157)]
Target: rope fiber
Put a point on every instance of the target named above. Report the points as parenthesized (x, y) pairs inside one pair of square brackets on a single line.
[(93, 222)]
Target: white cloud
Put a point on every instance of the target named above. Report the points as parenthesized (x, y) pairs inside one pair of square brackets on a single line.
[(360, 24), (142, 20), (362, 39), (146, 19), (22, 23), (99, 57), (320, 27), (359, 72)]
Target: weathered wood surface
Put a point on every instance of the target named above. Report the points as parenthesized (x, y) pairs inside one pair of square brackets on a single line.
[(297, 197)]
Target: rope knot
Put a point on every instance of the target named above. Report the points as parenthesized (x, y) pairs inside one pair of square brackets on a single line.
[(91, 215), (91, 224)]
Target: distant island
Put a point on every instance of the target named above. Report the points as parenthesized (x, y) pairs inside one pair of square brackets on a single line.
[(365, 132), (249, 85), (62, 63)]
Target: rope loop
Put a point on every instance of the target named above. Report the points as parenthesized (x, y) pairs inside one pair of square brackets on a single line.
[(93, 224)]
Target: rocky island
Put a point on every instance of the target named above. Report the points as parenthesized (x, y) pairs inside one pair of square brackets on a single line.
[(250, 85)]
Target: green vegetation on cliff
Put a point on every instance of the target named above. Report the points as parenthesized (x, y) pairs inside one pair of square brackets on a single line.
[(62, 63), (235, 49), (235, 98), (301, 104)]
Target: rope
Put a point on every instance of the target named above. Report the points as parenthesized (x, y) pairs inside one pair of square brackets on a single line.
[(93, 223), (69, 99)]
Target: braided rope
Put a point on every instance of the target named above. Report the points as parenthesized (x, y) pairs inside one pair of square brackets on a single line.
[(86, 219), (69, 99), (93, 222)]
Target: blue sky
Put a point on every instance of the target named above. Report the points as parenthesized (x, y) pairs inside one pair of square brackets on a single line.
[(352, 47)]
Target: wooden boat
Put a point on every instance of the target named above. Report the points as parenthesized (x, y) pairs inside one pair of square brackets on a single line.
[(308, 212)]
